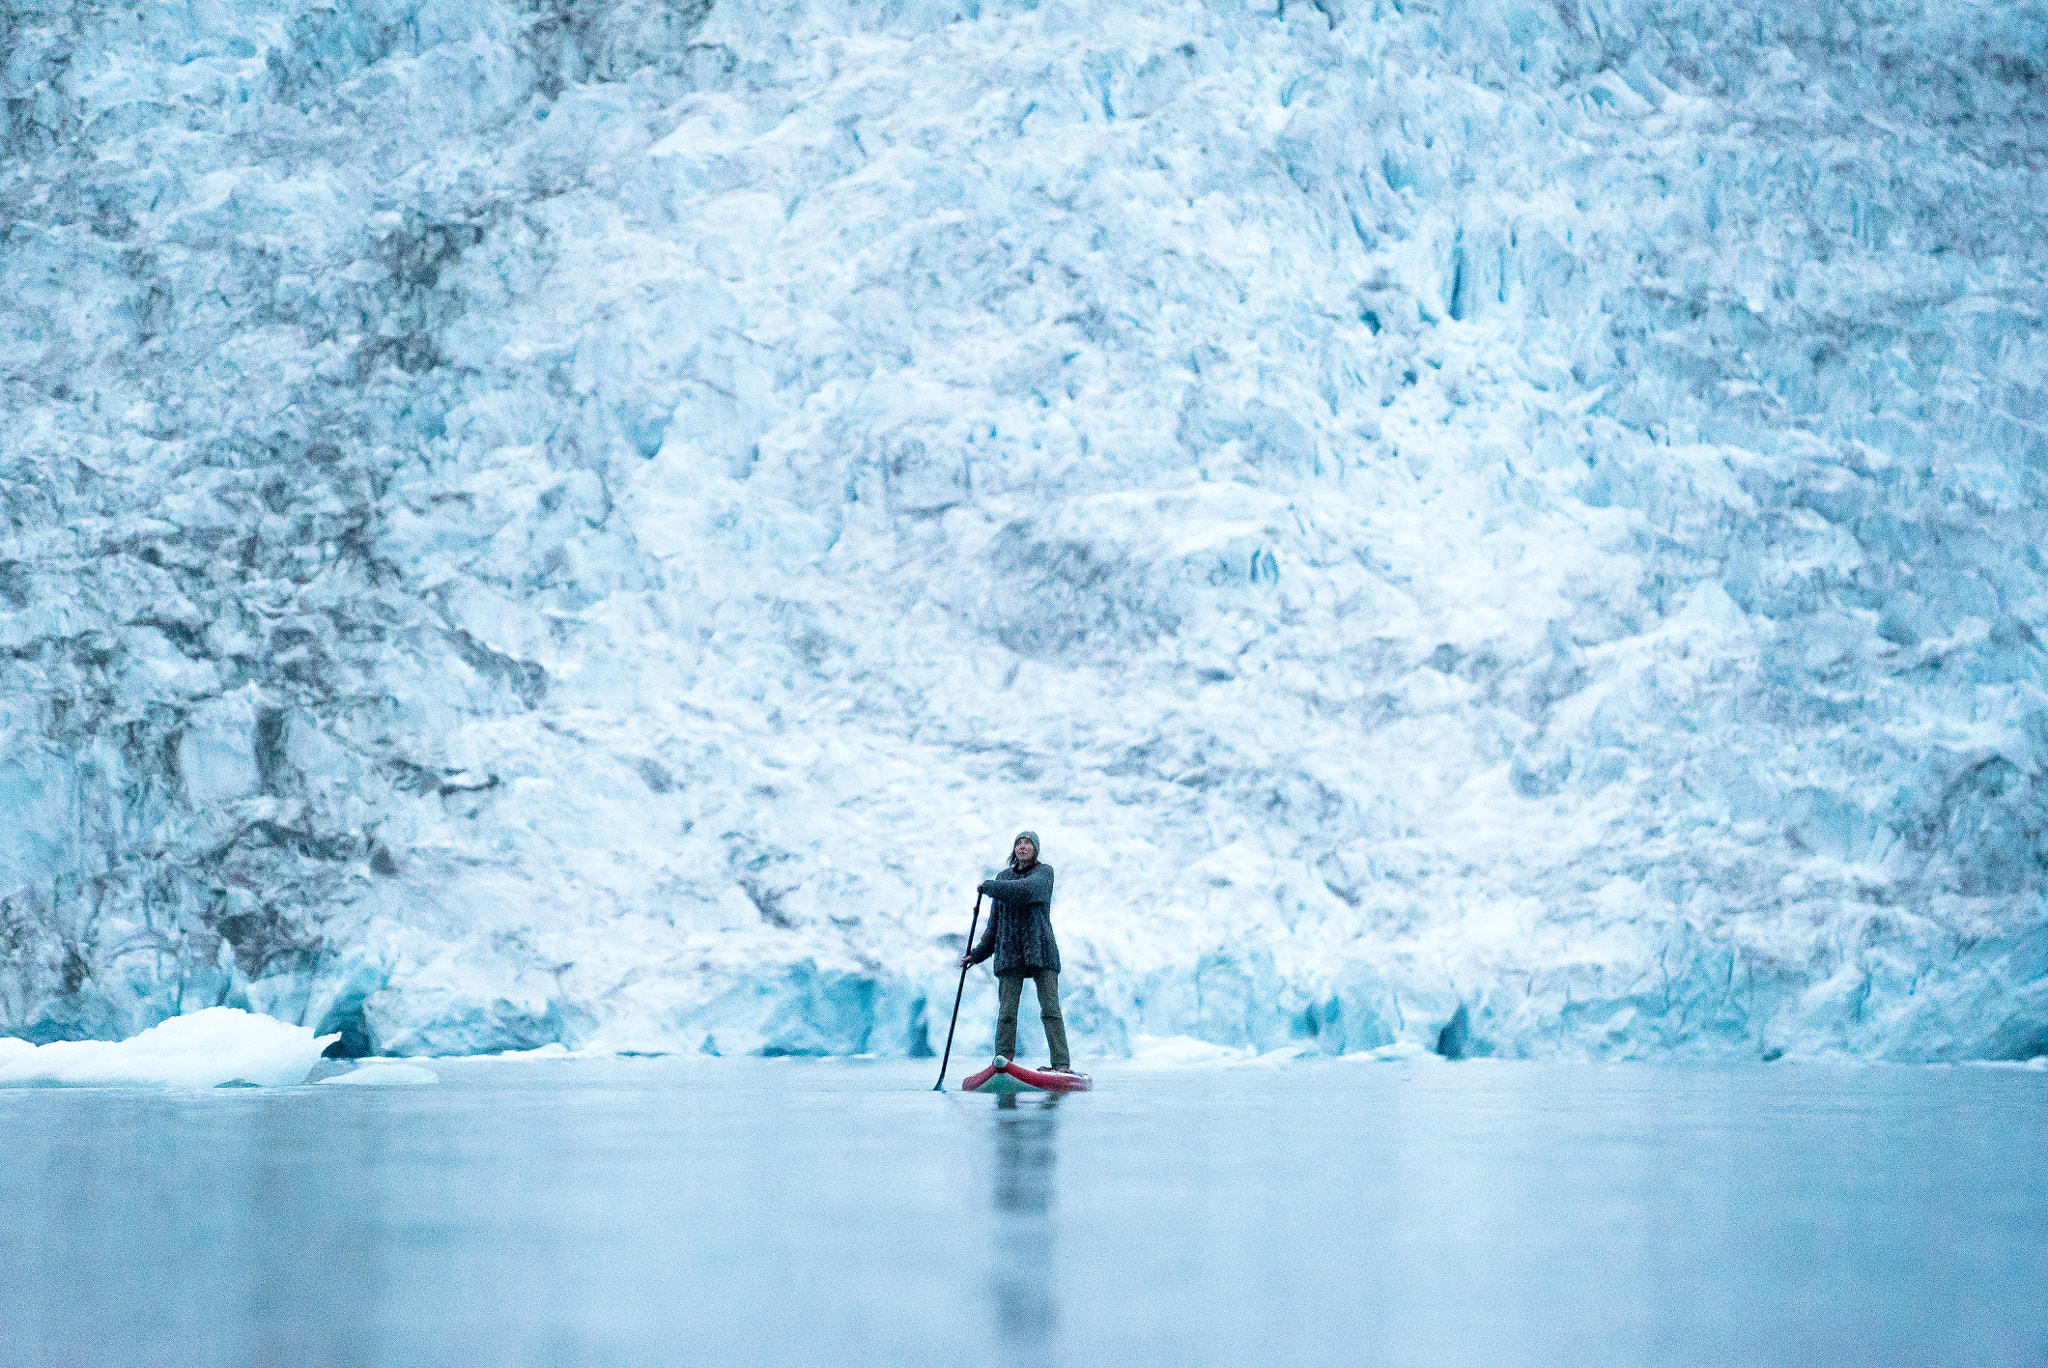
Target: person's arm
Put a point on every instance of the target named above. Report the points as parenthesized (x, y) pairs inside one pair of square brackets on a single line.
[(988, 941), (1035, 887)]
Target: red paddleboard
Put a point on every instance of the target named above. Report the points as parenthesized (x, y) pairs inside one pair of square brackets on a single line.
[(1004, 1076)]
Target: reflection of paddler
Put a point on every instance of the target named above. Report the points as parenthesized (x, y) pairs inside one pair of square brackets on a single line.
[(1020, 938), (1026, 1154)]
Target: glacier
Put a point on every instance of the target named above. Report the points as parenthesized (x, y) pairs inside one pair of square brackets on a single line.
[(1492, 527)]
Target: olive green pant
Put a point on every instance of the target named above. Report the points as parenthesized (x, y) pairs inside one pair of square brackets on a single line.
[(1011, 994)]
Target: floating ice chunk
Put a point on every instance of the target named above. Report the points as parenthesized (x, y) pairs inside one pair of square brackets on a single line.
[(379, 1075), (202, 1050), (1398, 1052), (554, 1049), (1183, 1050)]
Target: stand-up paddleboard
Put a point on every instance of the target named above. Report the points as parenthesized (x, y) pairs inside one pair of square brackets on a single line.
[(1003, 1076)]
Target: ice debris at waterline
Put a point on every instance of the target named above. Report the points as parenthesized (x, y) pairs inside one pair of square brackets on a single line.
[(385, 1076), (204, 1050), (1489, 527)]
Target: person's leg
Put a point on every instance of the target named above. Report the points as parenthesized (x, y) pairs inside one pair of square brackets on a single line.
[(1048, 984), (1009, 992)]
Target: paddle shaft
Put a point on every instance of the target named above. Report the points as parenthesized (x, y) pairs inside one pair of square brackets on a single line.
[(972, 927)]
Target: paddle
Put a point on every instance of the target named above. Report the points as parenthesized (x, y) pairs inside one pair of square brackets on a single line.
[(972, 927)]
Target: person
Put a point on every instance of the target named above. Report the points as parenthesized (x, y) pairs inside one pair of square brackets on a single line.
[(1019, 936)]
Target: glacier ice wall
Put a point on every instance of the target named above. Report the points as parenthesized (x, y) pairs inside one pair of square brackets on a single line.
[(1510, 526)]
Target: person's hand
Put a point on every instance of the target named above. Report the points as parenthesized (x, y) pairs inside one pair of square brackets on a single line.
[(967, 960)]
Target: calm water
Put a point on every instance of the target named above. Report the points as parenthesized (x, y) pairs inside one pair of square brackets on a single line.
[(785, 1212)]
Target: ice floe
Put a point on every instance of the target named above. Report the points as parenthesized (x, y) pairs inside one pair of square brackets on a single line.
[(220, 1045)]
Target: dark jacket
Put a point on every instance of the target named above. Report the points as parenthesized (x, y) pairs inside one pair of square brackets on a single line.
[(1019, 931)]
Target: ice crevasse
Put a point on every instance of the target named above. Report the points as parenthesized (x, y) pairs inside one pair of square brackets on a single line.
[(1504, 528)]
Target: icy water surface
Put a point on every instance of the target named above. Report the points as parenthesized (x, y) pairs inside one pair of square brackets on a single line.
[(667, 1211)]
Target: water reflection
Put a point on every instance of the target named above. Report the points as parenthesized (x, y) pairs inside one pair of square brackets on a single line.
[(1026, 1306), (591, 1213)]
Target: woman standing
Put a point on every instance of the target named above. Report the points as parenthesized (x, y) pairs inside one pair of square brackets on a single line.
[(1019, 935)]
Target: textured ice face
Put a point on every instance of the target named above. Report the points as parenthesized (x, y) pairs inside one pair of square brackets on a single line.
[(1510, 528)]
